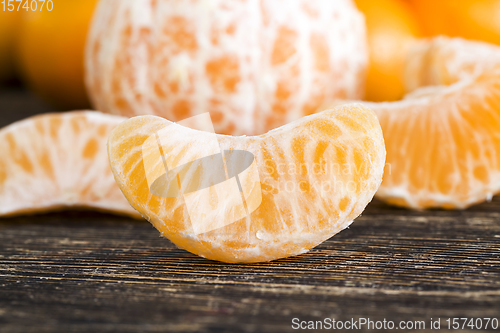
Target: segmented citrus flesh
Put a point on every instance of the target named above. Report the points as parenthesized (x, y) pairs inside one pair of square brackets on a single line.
[(443, 138), (316, 175), (59, 160), (254, 65)]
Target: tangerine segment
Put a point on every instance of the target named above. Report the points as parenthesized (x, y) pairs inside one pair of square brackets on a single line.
[(58, 160), (316, 175), (443, 139)]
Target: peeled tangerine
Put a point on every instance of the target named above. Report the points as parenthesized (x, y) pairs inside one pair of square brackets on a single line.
[(443, 138), (254, 65), (250, 199), (56, 161)]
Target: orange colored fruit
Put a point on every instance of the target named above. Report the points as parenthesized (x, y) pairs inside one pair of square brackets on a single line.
[(315, 176), (8, 30), (254, 65), (51, 47), (443, 139), (58, 160), (392, 27), (471, 19)]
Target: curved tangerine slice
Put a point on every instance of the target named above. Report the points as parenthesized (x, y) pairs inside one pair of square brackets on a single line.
[(231, 176), (59, 160), (315, 176), (443, 139)]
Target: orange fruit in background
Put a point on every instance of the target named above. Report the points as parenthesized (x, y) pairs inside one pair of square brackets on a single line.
[(392, 27), (55, 161), (51, 47), (316, 175), (471, 19), (8, 30), (254, 65), (443, 139)]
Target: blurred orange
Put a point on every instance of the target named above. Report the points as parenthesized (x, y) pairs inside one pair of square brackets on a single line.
[(8, 28), (51, 46), (392, 27), (472, 19)]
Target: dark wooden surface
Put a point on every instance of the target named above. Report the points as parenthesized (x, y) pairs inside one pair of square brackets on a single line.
[(89, 272)]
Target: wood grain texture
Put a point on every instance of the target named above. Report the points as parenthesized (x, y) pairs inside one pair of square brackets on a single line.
[(81, 271)]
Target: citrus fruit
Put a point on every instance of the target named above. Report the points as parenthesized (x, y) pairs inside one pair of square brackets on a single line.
[(443, 138), (51, 47), (391, 28), (8, 29), (254, 65), (471, 19), (58, 160), (305, 182)]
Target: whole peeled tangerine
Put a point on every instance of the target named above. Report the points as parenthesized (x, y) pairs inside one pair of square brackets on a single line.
[(250, 199), (254, 65)]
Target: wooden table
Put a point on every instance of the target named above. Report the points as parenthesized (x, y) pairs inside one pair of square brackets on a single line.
[(81, 271)]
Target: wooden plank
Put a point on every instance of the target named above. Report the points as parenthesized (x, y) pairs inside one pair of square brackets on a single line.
[(17, 104), (100, 272)]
